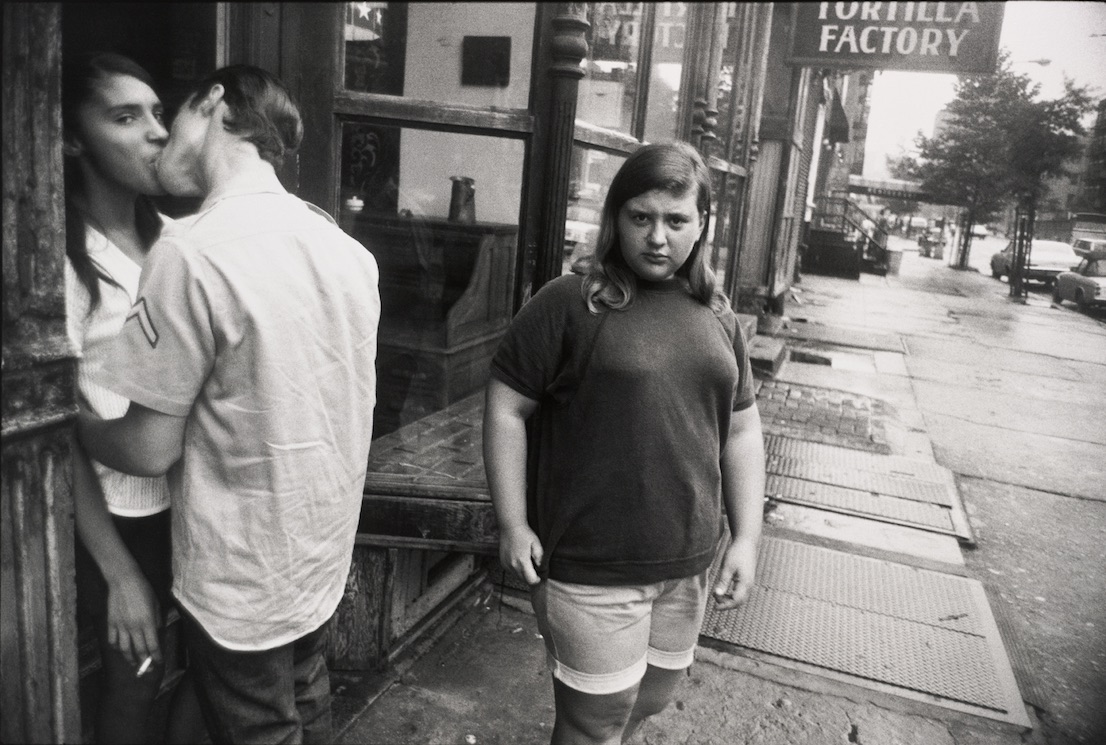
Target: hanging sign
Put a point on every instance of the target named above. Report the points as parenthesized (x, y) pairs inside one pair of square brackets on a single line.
[(946, 37)]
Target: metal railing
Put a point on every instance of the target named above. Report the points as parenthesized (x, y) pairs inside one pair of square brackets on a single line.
[(839, 214)]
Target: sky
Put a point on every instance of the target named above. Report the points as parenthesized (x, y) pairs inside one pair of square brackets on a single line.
[(1061, 32)]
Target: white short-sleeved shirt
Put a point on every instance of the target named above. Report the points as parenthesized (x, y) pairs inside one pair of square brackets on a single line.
[(257, 320), (92, 334)]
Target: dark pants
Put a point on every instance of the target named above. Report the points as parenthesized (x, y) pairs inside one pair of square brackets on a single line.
[(279, 695)]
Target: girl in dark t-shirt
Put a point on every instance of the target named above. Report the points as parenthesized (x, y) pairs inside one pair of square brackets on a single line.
[(648, 425)]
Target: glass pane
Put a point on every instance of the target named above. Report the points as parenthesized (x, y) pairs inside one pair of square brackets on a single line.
[(608, 89), (725, 207), (665, 70), (715, 231), (591, 176), (439, 211), (731, 83), (476, 54)]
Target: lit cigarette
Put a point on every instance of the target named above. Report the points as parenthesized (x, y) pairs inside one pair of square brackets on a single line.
[(144, 667)]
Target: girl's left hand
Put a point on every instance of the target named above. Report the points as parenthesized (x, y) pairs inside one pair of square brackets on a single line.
[(735, 578)]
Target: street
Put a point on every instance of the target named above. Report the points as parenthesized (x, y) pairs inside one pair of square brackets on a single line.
[(980, 260)]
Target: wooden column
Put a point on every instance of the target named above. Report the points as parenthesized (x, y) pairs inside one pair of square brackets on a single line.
[(38, 652), (567, 48)]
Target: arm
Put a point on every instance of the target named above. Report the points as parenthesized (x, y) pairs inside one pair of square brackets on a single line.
[(505, 414), (132, 611), (143, 442), (743, 494)]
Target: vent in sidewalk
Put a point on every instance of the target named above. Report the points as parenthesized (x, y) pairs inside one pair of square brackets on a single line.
[(920, 634), (888, 488)]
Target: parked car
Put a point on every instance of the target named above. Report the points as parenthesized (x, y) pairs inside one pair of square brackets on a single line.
[(1084, 246), (1086, 284), (1046, 260)]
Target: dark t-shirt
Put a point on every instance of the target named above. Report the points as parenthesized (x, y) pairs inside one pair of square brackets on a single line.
[(627, 484)]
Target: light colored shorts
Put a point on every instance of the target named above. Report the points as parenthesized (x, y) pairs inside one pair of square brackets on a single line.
[(600, 639)]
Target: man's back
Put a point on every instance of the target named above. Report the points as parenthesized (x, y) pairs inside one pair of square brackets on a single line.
[(266, 316)]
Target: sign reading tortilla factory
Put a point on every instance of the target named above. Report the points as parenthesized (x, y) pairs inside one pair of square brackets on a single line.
[(957, 38)]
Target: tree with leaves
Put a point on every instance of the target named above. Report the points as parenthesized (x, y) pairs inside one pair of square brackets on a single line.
[(1001, 143)]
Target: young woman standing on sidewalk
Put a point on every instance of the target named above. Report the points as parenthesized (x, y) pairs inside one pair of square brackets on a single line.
[(114, 133), (648, 425)]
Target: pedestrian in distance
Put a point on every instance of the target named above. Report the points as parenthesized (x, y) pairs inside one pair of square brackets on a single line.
[(249, 362), (113, 132), (646, 426)]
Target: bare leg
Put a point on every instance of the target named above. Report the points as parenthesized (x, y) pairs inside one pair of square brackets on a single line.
[(588, 718), (653, 696)]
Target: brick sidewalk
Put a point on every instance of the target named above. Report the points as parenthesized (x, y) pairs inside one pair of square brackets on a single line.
[(823, 415)]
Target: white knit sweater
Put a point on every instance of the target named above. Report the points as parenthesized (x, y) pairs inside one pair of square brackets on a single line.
[(92, 335)]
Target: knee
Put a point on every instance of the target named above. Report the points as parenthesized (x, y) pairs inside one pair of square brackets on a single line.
[(657, 691), (650, 703), (604, 726), (584, 718)]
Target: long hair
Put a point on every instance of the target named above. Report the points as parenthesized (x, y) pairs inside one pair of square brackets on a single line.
[(80, 74), (261, 109), (674, 167)]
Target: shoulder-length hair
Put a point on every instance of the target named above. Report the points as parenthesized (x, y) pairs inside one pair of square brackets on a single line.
[(80, 75), (674, 167)]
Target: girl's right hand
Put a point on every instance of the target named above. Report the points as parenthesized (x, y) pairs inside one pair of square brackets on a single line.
[(133, 615), (520, 551)]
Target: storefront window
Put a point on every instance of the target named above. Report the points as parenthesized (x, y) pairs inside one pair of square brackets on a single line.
[(666, 69), (592, 173), (474, 54), (440, 212), (732, 80), (608, 90), (719, 239)]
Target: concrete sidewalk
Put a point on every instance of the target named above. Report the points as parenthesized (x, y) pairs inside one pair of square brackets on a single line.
[(869, 372)]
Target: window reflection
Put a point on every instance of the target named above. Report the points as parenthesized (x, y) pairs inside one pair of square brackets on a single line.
[(475, 54), (591, 176), (446, 285), (376, 39), (732, 81), (608, 90), (721, 215), (666, 69)]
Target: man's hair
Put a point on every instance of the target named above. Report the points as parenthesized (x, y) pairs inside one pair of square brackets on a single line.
[(261, 109), (674, 167)]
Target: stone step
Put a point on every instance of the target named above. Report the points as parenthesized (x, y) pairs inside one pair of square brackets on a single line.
[(767, 353)]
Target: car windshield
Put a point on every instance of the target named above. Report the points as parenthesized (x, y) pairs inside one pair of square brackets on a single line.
[(1096, 269)]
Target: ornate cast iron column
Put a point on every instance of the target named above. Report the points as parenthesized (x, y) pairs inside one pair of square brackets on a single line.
[(568, 48), (709, 31)]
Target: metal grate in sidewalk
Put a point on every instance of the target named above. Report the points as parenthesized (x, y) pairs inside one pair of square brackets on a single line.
[(888, 488), (921, 634), (892, 465), (853, 478), (906, 512)]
